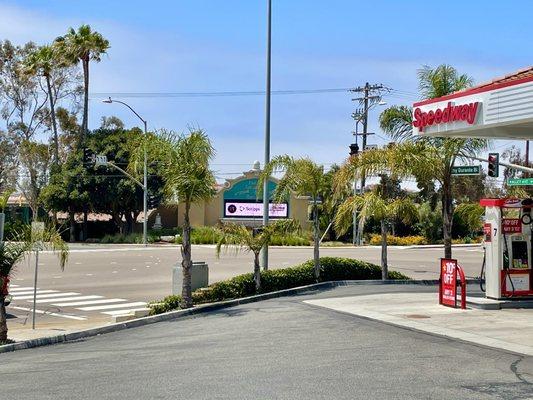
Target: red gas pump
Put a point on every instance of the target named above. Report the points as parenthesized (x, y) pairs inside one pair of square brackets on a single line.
[(508, 248)]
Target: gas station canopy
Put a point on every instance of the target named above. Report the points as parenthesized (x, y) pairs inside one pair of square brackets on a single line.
[(499, 109)]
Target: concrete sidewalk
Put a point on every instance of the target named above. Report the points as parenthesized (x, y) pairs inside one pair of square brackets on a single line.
[(509, 329)]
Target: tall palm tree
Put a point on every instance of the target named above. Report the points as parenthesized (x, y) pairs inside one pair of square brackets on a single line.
[(427, 159), (11, 253), (304, 178), (382, 208), (83, 45), (239, 237), (42, 62), (187, 178)]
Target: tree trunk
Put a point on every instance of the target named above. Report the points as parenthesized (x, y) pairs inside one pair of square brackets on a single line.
[(3, 319), (84, 124), (316, 237), (53, 118), (84, 227), (447, 217), (186, 260), (257, 272), (384, 265), (72, 231)]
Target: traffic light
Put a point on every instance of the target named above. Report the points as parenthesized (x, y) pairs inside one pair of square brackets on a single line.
[(494, 165), (354, 149), (88, 156), (153, 201)]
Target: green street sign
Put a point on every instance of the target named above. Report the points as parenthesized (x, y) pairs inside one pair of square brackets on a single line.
[(466, 170), (520, 182)]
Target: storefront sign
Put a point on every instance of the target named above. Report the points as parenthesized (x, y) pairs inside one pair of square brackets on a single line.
[(511, 225), (235, 209), (450, 113), (448, 286)]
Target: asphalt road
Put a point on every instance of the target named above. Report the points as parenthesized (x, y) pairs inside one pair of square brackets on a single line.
[(100, 281), (276, 349)]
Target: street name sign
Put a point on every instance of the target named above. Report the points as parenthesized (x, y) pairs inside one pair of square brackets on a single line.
[(520, 182), (466, 170)]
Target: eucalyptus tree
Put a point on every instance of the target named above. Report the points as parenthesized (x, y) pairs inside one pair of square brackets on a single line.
[(380, 205), (60, 80), (184, 167), (302, 177), (22, 107), (83, 45), (427, 159), (241, 238)]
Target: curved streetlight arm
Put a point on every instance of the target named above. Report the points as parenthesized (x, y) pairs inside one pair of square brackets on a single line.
[(127, 105)]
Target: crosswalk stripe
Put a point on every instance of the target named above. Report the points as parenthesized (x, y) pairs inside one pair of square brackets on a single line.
[(39, 293), (75, 317), (13, 285), (86, 303), (26, 292), (109, 307), (20, 289), (45, 296), (71, 298), (122, 312)]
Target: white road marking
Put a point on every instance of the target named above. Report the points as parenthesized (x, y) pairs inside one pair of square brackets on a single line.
[(20, 289), (122, 312), (134, 269), (86, 303), (88, 274), (45, 296), (22, 295), (114, 272), (71, 298), (13, 285), (77, 318), (109, 307)]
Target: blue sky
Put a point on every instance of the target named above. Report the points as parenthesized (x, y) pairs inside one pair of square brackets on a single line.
[(215, 45)]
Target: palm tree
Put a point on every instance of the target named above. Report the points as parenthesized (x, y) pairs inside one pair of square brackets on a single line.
[(83, 45), (42, 62), (240, 237), (427, 159), (302, 177), (11, 253), (382, 208), (184, 161)]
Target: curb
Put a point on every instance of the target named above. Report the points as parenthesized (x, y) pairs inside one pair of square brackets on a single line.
[(178, 314)]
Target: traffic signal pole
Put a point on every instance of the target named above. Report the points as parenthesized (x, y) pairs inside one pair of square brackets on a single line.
[(508, 165)]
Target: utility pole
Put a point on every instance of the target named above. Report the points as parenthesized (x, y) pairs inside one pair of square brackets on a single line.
[(267, 126), (371, 96)]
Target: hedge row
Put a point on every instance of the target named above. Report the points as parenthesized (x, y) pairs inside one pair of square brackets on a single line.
[(331, 269)]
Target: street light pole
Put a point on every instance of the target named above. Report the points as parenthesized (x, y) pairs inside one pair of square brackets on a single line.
[(145, 169), (267, 127)]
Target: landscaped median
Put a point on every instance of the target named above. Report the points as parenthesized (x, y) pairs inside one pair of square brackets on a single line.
[(331, 269)]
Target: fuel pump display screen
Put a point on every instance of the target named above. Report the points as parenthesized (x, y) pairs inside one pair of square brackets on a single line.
[(520, 257)]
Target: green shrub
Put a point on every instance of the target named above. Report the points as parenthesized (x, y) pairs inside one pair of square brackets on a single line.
[(289, 240), (120, 238), (375, 240), (169, 303), (332, 269)]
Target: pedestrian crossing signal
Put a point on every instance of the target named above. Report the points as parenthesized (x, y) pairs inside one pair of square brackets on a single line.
[(494, 165)]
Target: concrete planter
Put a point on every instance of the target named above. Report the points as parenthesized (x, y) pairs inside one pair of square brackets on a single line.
[(199, 276)]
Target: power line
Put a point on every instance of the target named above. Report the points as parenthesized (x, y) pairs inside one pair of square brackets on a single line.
[(215, 94)]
